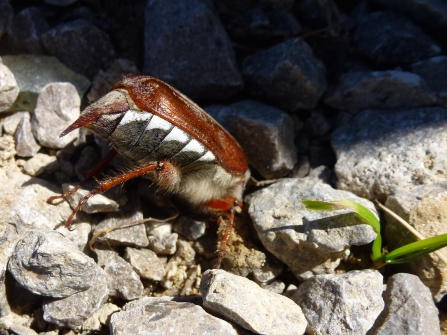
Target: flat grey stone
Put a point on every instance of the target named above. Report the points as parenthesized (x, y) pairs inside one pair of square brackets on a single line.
[(321, 238), (161, 316), (146, 263), (380, 151), (409, 308), (343, 304), (261, 311), (49, 70), (26, 145), (48, 264), (8, 87), (58, 106)]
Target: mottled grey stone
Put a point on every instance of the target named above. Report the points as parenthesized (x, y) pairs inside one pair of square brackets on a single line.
[(186, 45), (96, 204), (379, 151), (40, 163), (161, 316), (8, 87), (26, 145), (380, 89), (287, 75), (262, 312), (343, 304), (122, 280), (321, 238), (58, 106), (409, 308), (189, 228), (253, 123), (146, 263), (392, 38), (269, 271), (80, 45), (100, 318), (161, 239)]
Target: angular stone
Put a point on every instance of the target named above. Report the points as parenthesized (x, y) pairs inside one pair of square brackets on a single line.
[(409, 308), (9, 90), (261, 311), (11, 122), (341, 304), (81, 46), (97, 204), (99, 318), (175, 30), (50, 69), (146, 263), (287, 76), (189, 228), (161, 239), (380, 151), (58, 106), (41, 163), (389, 37), (380, 89), (161, 316), (26, 145), (321, 238)]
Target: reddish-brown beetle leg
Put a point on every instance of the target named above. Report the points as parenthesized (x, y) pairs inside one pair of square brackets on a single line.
[(87, 177), (226, 207), (108, 184)]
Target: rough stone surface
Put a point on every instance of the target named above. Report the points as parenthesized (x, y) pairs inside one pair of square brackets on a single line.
[(40, 163), (11, 122), (100, 317), (381, 90), (161, 316), (75, 309), (252, 123), (81, 46), (425, 208), (58, 106), (341, 304), (262, 312), (321, 238), (189, 228), (146, 263), (9, 90), (378, 151), (434, 72), (288, 76), (48, 70), (122, 280), (47, 263), (177, 35), (409, 308), (26, 145), (161, 239), (392, 38), (97, 204), (177, 272)]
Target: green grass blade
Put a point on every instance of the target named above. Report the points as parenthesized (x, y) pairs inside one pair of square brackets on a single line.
[(317, 205)]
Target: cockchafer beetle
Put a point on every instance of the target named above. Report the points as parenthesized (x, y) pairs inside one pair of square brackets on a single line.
[(166, 136)]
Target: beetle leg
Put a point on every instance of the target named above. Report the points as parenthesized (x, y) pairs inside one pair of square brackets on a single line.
[(109, 183), (226, 207), (87, 177)]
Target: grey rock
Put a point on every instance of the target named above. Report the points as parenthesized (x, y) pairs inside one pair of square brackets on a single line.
[(26, 145), (11, 122), (343, 304), (6, 15), (262, 312), (321, 238), (176, 38), (302, 168), (276, 286), (104, 80), (67, 168), (88, 160), (47, 263), (50, 70), (58, 106), (122, 227), (7, 151), (146, 263), (434, 72), (25, 31), (97, 204), (265, 134), (424, 207), (432, 13), (72, 311), (39, 164), (100, 318), (189, 228), (177, 273), (378, 151), (161, 316), (161, 239), (17, 324), (269, 271), (409, 308), (122, 280), (391, 38), (8, 88), (380, 89), (81, 46), (287, 76)]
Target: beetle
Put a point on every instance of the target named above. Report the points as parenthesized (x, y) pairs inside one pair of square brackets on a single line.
[(165, 135)]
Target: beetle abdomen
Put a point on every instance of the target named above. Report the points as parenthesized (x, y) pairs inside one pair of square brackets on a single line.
[(142, 137)]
